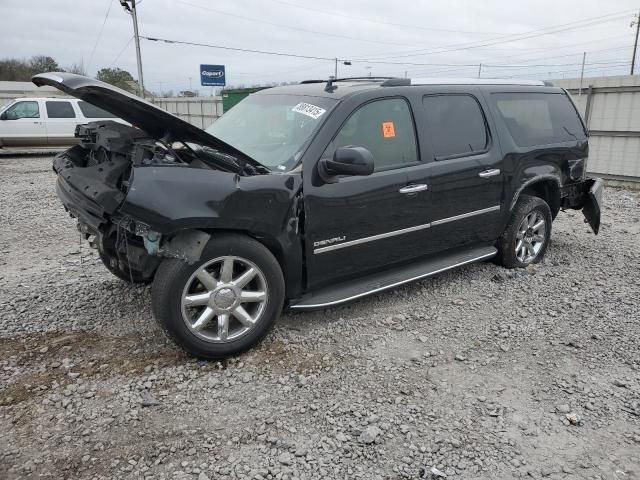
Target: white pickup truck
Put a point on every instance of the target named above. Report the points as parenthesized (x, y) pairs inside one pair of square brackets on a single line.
[(46, 121)]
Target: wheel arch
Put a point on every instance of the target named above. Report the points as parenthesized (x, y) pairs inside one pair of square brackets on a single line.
[(290, 263), (546, 187)]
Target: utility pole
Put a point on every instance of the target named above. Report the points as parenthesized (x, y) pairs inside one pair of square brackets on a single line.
[(584, 57), (636, 22), (479, 70), (344, 62), (134, 16)]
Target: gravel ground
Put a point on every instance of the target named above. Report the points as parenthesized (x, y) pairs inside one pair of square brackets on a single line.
[(481, 372)]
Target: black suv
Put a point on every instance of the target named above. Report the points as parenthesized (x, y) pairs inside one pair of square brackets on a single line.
[(311, 195)]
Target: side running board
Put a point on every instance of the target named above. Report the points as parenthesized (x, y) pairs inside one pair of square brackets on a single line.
[(353, 289)]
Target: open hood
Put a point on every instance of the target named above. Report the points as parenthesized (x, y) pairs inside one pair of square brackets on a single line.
[(140, 113)]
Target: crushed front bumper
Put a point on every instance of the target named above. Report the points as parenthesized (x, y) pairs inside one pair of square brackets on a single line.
[(585, 196)]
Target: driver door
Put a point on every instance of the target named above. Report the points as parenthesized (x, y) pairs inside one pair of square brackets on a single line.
[(22, 125), (364, 223)]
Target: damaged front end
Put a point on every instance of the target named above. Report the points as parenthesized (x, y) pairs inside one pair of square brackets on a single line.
[(97, 178), (94, 179)]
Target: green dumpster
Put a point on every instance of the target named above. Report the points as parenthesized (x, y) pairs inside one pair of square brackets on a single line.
[(233, 96)]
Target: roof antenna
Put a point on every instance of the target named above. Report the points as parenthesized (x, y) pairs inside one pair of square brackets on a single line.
[(330, 87)]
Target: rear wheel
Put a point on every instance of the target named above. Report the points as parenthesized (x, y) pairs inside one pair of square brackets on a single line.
[(526, 238), (224, 303)]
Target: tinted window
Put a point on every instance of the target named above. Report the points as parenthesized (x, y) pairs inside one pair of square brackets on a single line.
[(455, 125), (385, 128), (539, 118), (60, 110), (91, 111), (23, 110)]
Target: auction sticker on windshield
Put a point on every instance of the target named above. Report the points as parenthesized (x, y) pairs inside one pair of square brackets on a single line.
[(308, 110)]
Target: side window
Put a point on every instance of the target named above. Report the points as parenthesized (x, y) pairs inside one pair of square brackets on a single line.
[(59, 109), (539, 118), (91, 111), (23, 110), (455, 125), (385, 128)]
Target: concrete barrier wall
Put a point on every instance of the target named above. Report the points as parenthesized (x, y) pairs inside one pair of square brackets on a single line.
[(611, 109)]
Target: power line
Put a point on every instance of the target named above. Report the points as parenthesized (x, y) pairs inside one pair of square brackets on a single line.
[(99, 34), (545, 57), (311, 57), (505, 38), (290, 27), (236, 49), (121, 51), (379, 22)]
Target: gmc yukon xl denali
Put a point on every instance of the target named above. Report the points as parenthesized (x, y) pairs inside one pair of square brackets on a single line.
[(311, 195)]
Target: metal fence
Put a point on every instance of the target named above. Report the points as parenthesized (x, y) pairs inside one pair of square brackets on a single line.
[(199, 111), (611, 109)]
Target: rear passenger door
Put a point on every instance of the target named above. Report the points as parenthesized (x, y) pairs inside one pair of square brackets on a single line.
[(61, 122), (464, 170)]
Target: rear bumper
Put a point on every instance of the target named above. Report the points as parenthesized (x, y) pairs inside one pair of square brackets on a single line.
[(593, 202), (585, 196)]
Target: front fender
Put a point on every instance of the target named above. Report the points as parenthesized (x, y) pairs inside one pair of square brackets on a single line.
[(174, 199)]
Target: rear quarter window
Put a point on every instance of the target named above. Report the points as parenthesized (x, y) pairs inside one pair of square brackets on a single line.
[(91, 111), (539, 118)]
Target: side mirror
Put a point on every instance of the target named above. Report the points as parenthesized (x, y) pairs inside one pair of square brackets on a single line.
[(8, 116), (346, 161), (3, 116)]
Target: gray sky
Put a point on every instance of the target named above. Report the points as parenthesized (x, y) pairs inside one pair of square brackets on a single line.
[(503, 35)]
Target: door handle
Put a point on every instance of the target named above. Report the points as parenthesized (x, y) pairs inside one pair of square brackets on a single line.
[(492, 172), (413, 188)]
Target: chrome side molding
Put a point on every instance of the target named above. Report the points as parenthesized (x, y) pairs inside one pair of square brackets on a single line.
[(338, 246)]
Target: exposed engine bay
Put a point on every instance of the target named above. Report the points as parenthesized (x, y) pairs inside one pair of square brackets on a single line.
[(98, 174)]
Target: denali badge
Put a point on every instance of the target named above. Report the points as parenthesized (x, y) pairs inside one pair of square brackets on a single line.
[(329, 241)]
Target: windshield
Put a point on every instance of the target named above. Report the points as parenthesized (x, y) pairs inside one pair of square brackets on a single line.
[(272, 129)]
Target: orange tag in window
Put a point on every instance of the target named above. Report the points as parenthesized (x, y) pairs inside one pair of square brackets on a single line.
[(388, 130)]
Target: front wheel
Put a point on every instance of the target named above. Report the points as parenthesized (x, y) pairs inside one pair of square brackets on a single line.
[(526, 238), (224, 303)]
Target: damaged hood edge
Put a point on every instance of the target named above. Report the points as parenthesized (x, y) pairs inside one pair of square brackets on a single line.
[(138, 112)]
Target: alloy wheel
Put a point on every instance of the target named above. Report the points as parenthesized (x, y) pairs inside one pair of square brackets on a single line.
[(530, 237), (224, 299)]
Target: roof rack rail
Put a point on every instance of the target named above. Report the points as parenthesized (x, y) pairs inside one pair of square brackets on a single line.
[(397, 82), (347, 79)]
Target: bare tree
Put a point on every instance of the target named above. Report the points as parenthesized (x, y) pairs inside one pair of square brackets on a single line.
[(15, 70), (77, 68), (42, 64)]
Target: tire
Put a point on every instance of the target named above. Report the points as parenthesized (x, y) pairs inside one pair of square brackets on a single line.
[(130, 276), (532, 242), (184, 297)]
